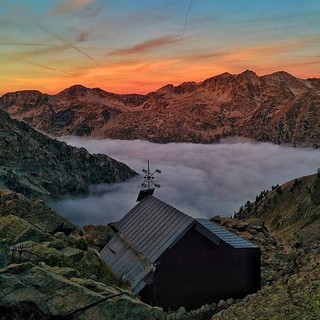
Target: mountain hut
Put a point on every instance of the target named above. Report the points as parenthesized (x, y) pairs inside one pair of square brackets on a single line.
[(171, 259)]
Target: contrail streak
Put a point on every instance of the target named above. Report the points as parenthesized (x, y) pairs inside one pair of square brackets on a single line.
[(35, 64), (186, 20), (65, 42), (40, 65)]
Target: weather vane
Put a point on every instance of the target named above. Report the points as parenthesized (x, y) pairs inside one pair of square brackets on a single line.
[(148, 182), (149, 177)]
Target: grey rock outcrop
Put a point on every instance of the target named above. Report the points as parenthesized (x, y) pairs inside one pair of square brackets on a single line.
[(55, 296), (23, 214), (33, 164)]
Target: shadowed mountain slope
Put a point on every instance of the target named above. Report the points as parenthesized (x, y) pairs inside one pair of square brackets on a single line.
[(32, 163)]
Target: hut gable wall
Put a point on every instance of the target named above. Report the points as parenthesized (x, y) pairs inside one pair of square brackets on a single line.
[(196, 271), (125, 261)]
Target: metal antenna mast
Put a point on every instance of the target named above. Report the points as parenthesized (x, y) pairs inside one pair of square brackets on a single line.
[(149, 177)]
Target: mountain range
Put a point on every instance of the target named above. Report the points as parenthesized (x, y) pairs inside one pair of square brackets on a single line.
[(277, 108)]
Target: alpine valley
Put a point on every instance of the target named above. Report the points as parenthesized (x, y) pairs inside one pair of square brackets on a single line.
[(50, 268)]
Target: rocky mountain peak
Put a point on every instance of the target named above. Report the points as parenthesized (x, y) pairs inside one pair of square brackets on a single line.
[(185, 87), (250, 77), (248, 74), (284, 79), (75, 91), (26, 97), (222, 78)]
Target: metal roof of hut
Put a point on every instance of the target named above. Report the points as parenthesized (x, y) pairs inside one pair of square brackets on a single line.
[(147, 231)]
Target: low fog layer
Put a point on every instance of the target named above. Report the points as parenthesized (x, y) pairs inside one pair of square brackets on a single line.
[(200, 180)]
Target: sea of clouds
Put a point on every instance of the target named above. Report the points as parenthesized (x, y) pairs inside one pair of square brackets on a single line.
[(200, 180)]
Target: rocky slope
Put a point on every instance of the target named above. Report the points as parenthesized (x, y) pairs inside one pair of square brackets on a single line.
[(278, 108), (291, 211), (288, 220), (32, 163), (48, 270)]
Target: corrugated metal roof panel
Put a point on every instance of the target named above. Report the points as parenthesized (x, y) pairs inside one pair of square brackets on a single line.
[(223, 234), (152, 226), (125, 262)]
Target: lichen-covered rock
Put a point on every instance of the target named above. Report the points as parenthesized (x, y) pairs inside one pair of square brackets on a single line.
[(18, 230), (39, 252), (97, 286), (97, 236), (73, 254), (55, 296), (63, 271), (33, 211)]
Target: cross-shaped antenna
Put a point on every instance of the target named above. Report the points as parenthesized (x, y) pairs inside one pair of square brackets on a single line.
[(149, 177)]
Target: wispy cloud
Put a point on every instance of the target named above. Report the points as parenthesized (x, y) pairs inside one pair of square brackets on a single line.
[(255, 51), (71, 5), (207, 55), (147, 45)]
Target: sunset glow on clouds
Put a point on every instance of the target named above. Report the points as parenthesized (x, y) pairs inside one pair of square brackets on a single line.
[(138, 46)]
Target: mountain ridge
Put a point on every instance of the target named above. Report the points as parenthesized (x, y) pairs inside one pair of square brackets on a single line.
[(34, 164), (277, 108), (288, 223)]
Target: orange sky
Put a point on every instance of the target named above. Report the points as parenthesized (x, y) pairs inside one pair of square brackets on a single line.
[(125, 47)]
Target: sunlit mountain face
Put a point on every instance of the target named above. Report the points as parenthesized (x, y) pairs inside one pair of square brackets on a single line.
[(277, 108)]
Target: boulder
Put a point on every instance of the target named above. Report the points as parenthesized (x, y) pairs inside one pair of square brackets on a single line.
[(16, 230), (180, 313), (39, 252), (73, 254), (97, 236), (63, 271), (52, 295), (33, 211)]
